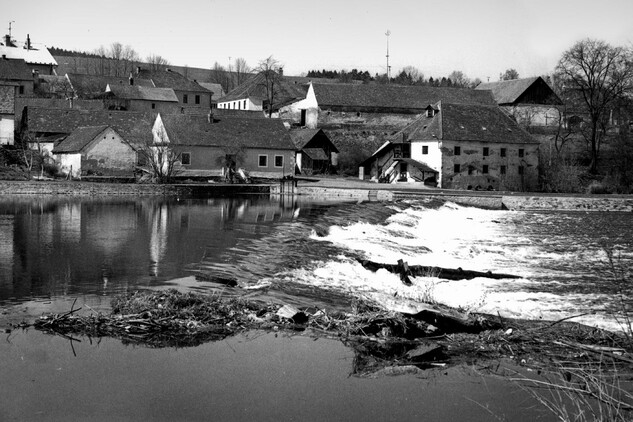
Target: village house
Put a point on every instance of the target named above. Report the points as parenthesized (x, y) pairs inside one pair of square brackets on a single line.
[(140, 98), (37, 57), (531, 101), (191, 96), (216, 91), (96, 150), (468, 146), (316, 154), (210, 146), (15, 80)]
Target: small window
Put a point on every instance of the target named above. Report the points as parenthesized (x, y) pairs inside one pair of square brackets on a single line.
[(358, 114), (21, 90), (263, 161), (244, 105), (197, 99), (153, 106), (502, 170), (521, 170), (456, 168), (502, 152), (239, 105), (486, 151), (458, 151), (521, 152), (485, 169), (425, 149), (185, 158), (185, 98), (279, 160)]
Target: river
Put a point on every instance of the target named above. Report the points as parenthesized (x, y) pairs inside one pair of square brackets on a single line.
[(55, 251)]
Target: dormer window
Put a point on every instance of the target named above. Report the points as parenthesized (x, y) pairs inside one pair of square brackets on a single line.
[(430, 112)]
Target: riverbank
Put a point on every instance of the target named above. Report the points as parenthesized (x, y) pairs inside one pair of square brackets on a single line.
[(333, 188)]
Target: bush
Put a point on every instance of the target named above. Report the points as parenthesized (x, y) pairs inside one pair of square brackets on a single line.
[(597, 188)]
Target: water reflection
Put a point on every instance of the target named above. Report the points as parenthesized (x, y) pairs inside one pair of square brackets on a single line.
[(51, 246)]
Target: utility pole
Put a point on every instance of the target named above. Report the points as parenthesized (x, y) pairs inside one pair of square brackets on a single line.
[(388, 68)]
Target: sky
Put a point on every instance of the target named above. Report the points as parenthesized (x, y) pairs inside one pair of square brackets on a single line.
[(481, 38)]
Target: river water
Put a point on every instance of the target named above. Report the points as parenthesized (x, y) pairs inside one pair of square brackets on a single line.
[(55, 251)]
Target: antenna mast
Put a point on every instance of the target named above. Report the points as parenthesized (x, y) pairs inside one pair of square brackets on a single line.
[(388, 67)]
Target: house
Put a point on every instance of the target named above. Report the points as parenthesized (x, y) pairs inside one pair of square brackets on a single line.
[(208, 146), (531, 101), (470, 146), (141, 99), (15, 80), (216, 91), (191, 96), (315, 152), (96, 150), (93, 86), (47, 126), (37, 57), (292, 102)]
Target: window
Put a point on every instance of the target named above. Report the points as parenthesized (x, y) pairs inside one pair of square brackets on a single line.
[(185, 158), (197, 99), (486, 151), (279, 160), (456, 168), (397, 151), (185, 98), (244, 105), (521, 170), (425, 149), (485, 169), (502, 170), (263, 161), (521, 152), (503, 152), (153, 106), (239, 105), (21, 90), (457, 151)]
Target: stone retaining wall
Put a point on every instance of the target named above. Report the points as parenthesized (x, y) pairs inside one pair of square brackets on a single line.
[(84, 188), (593, 203)]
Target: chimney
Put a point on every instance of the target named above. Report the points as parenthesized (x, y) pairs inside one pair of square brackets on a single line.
[(7, 41), (131, 79), (28, 41)]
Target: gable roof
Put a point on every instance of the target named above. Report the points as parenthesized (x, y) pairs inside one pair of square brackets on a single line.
[(133, 127), (255, 87), (301, 137), (168, 78), (467, 122), (89, 86), (216, 89), (30, 56), (377, 96), (78, 139), (15, 70), (183, 129), (135, 92), (512, 91)]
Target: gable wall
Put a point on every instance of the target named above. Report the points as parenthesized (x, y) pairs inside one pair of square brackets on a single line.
[(109, 154)]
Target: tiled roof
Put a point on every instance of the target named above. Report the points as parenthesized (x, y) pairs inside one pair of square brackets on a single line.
[(467, 122), (417, 164), (315, 153), (90, 86), (15, 70), (185, 129), (301, 137), (40, 56), (136, 92), (169, 79), (378, 96), (216, 89), (255, 87), (78, 139), (133, 127), (510, 92)]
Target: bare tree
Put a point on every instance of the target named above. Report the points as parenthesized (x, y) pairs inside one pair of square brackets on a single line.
[(242, 70), (158, 159), (271, 71), (219, 75), (156, 62), (596, 75), (459, 79), (509, 75)]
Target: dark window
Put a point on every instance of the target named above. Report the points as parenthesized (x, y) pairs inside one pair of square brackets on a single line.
[(502, 170), (263, 161), (458, 151), (21, 90), (279, 160), (456, 168), (185, 98), (486, 151), (185, 158), (197, 99), (397, 151), (425, 149), (503, 152), (153, 106), (520, 169), (521, 152), (302, 121), (485, 169)]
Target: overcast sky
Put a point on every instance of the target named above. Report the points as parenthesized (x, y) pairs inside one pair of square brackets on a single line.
[(482, 38)]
